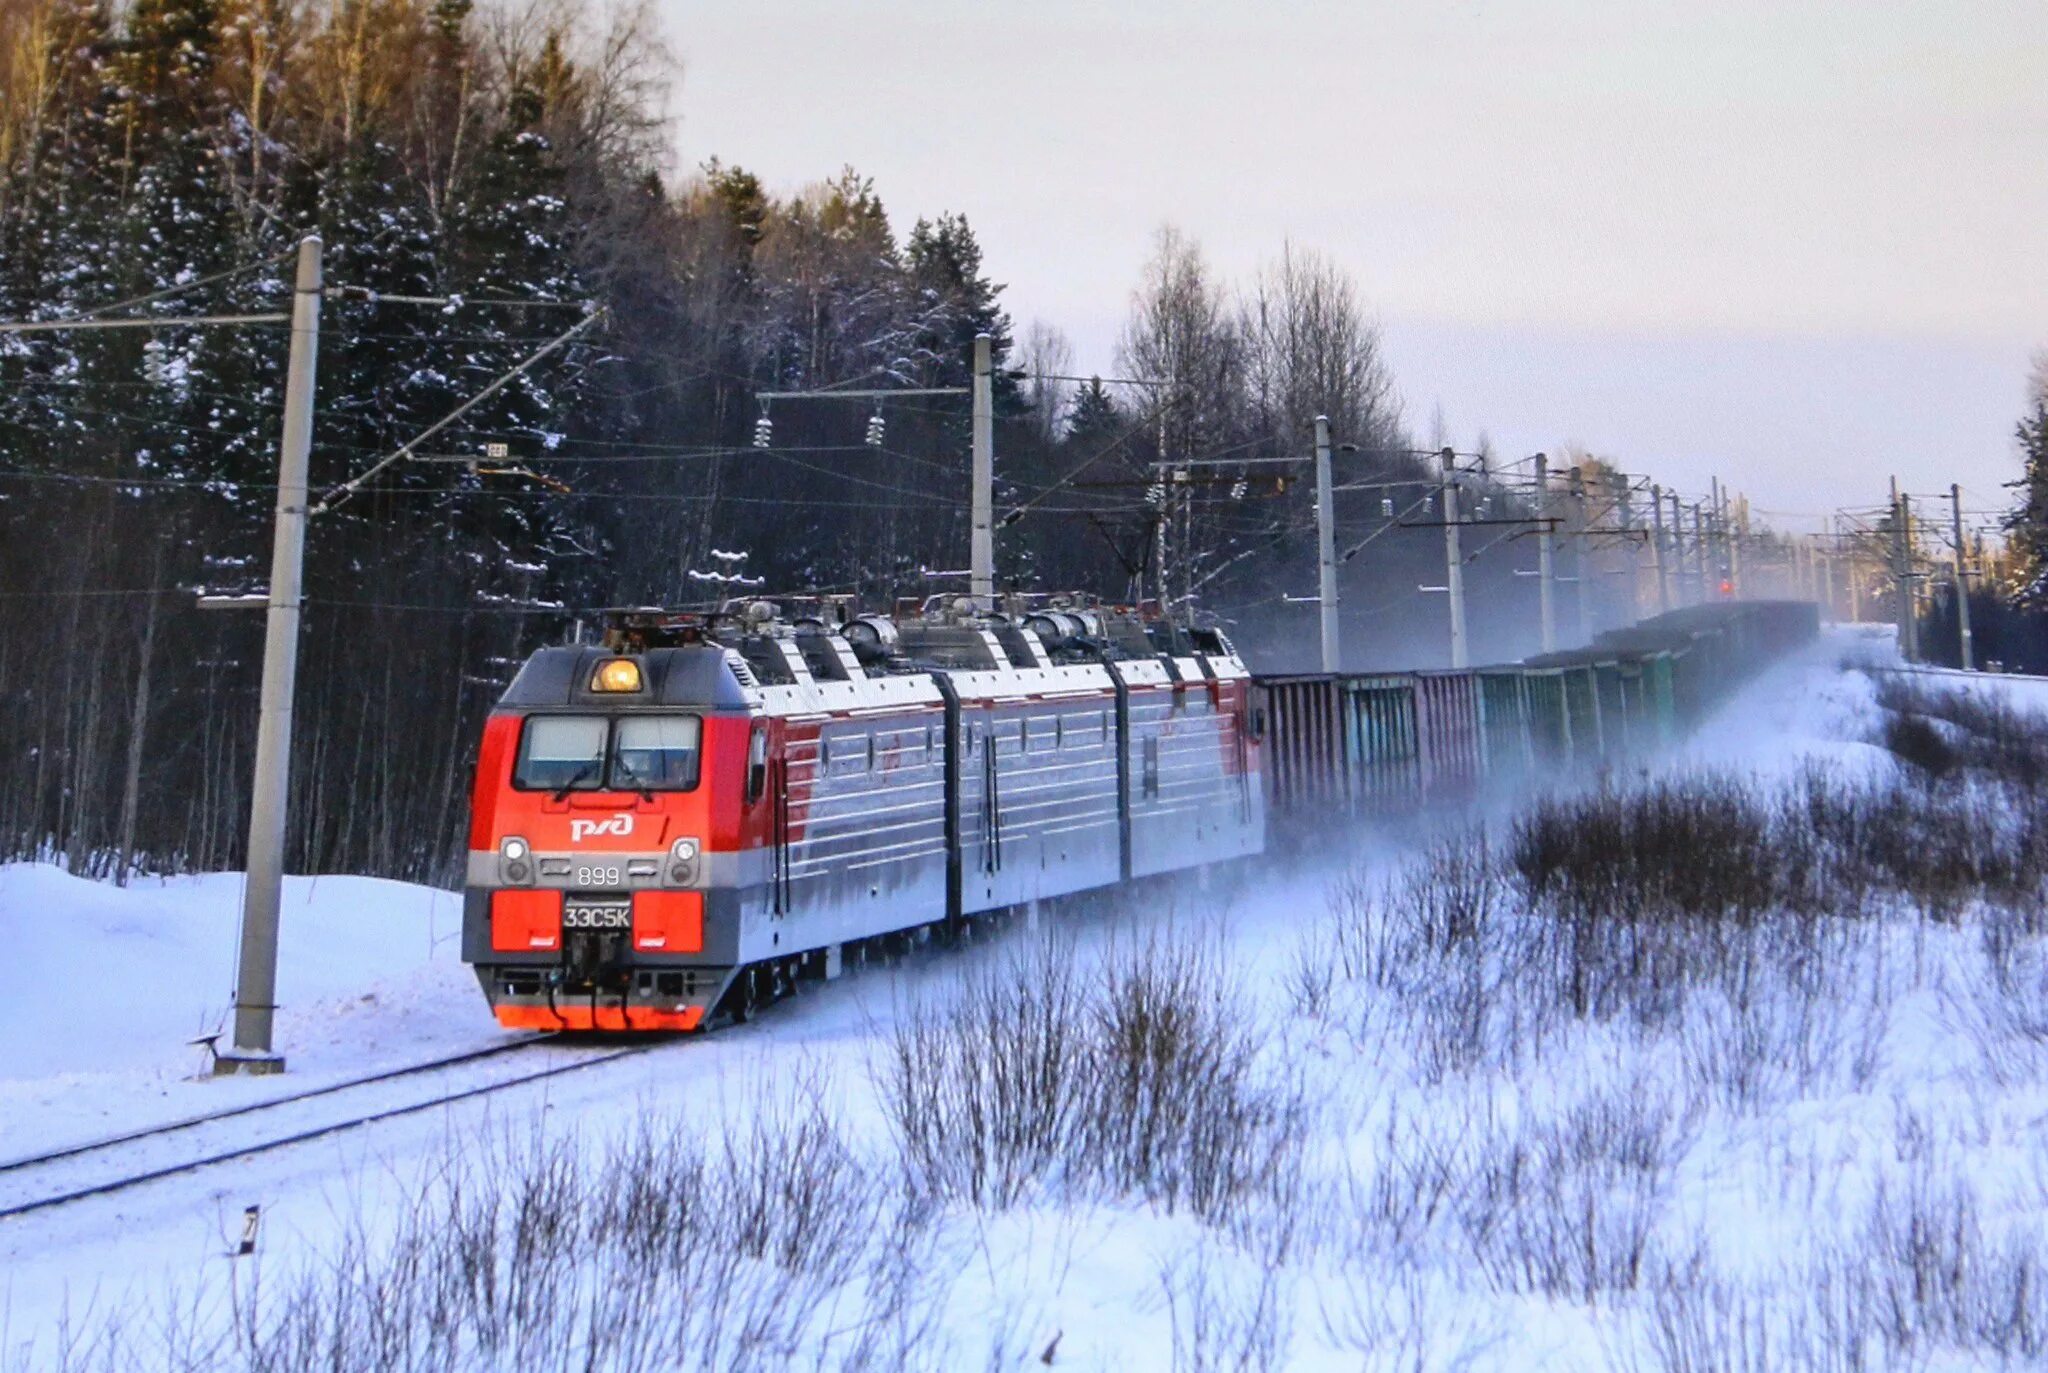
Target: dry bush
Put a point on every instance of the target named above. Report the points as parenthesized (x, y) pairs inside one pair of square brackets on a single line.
[(1945, 731), (1915, 1284), (1149, 1081), (676, 1246), (1695, 848), (985, 1092), (1221, 1326)]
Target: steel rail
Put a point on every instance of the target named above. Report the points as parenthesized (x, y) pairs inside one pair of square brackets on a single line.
[(192, 1122), (302, 1136)]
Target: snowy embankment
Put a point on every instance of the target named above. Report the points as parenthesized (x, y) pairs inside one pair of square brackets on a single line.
[(113, 985), (1737, 1063)]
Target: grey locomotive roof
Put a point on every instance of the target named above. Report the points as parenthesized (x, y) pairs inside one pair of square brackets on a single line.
[(697, 675)]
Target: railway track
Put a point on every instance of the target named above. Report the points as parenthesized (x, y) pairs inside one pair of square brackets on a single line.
[(101, 1167)]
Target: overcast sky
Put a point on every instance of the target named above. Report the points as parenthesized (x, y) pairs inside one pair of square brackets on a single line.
[(1800, 245)]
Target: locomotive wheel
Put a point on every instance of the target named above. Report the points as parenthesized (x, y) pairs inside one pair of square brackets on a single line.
[(745, 997)]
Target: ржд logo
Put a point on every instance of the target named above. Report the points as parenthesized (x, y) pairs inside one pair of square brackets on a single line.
[(620, 824)]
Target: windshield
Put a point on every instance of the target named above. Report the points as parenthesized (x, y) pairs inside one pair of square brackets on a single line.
[(594, 753), (656, 751), (558, 752)]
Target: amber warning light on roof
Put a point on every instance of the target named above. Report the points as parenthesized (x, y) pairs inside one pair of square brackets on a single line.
[(616, 674)]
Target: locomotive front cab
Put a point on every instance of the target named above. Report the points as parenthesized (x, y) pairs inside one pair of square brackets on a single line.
[(616, 813)]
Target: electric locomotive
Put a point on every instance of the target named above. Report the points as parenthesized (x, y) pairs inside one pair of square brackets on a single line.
[(675, 824)]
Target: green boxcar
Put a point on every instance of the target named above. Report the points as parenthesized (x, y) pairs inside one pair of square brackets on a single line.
[(1582, 707), (1505, 716), (1658, 703), (1550, 719), (1380, 740), (1612, 691)]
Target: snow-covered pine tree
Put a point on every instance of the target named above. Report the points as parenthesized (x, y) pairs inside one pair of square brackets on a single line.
[(511, 236), (2028, 524), (56, 209), (1095, 422), (173, 230), (954, 300)]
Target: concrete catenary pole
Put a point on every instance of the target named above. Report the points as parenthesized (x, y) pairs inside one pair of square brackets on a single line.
[(256, 967), (1454, 569), (1625, 512), (1902, 605), (1546, 556), (1854, 573), (1964, 646), (1740, 536), (1910, 581), (1326, 546), (1699, 551), (1161, 500), (1717, 535), (1580, 534), (981, 577), (1678, 548), (1658, 550), (1827, 584)]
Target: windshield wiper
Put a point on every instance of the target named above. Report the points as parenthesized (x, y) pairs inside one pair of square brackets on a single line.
[(625, 769), (577, 778)]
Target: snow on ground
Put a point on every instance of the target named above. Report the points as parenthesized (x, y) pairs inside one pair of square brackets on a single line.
[(1773, 1148), (119, 981)]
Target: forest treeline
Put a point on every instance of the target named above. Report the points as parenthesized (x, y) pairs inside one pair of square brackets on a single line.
[(481, 178), (2008, 598)]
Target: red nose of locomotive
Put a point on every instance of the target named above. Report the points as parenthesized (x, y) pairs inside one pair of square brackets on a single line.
[(607, 829)]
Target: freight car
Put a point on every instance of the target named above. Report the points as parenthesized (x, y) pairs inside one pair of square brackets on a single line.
[(1356, 744), (685, 820)]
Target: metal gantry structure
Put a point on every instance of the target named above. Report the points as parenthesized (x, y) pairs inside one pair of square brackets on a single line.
[(1597, 517), (1895, 561)]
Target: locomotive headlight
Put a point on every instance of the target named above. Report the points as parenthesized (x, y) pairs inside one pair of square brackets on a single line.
[(514, 863), (616, 674), (682, 861)]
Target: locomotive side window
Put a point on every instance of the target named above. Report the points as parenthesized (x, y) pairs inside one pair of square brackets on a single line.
[(757, 763), (561, 753), (659, 752)]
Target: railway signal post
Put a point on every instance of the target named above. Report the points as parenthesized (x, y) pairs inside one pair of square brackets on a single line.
[(256, 966)]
